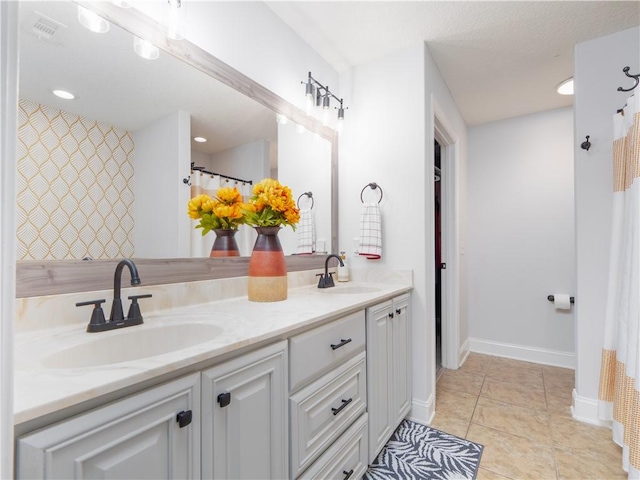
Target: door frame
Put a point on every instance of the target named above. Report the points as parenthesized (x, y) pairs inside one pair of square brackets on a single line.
[(8, 140), (449, 215)]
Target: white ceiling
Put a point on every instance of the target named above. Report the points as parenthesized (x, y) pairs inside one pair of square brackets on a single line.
[(499, 59)]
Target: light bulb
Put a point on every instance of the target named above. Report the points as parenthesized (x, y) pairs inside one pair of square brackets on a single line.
[(309, 104), (145, 49), (300, 128), (92, 21), (174, 19), (325, 118)]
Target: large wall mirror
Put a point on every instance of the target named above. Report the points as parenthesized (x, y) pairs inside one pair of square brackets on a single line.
[(105, 175)]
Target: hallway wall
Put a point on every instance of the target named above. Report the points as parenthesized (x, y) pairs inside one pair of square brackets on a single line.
[(521, 237)]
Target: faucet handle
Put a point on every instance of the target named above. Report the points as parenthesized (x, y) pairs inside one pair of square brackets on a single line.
[(329, 280), (97, 315), (134, 309)]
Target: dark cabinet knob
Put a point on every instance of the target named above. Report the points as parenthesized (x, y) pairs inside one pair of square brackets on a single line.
[(184, 418), (390, 314), (347, 474), (224, 399), (398, 311)]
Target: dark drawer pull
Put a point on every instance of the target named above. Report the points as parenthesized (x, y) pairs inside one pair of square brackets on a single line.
[(342, 343), (347, 474), (341, 407), (398, 311)]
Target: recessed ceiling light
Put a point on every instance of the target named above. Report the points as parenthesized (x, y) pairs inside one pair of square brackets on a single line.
[(566, 87), (92, 21), (64, 94), (199, 139)]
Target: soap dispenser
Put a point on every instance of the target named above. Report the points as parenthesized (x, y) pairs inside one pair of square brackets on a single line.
[(343, 270)]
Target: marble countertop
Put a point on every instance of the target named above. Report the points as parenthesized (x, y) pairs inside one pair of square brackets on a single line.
[(47, 379)]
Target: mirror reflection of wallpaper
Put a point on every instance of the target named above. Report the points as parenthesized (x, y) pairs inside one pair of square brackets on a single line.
[(75, 186)]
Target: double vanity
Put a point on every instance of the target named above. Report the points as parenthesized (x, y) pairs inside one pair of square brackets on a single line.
[(310, 387)]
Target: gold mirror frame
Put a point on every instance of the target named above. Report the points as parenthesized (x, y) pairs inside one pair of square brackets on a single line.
[(37, 278)]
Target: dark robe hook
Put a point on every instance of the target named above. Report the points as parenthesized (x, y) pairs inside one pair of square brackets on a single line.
[(586, 145), (635, 77)]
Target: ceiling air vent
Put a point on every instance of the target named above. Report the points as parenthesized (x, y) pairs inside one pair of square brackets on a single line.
[(44, 27)]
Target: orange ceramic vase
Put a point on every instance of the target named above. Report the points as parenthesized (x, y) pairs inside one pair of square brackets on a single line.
[(267, 268), (225, 244)]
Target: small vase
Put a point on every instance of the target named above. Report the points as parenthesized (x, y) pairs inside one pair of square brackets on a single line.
[(225, 243), (267, 268)]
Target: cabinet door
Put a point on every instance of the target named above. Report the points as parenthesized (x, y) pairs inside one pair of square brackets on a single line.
[(401, 360), (138, 437), (379, 380), (244, 417)]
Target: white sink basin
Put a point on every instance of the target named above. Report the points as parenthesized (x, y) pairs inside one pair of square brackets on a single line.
[(131, 343), (350, 290)]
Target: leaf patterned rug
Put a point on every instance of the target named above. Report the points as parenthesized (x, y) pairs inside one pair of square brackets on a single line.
[(419, 452)]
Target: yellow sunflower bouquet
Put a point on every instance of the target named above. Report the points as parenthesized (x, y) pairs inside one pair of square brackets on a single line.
[(271, 205), (225, 210)]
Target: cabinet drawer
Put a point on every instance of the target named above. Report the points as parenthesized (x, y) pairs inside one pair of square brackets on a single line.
[(321, 349), (346, 458), (323, 410)]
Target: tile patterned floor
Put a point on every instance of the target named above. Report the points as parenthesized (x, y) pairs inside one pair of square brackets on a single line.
[(521, 413)]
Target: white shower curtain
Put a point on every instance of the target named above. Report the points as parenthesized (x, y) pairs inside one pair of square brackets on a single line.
[(203, 183), (619, 394)]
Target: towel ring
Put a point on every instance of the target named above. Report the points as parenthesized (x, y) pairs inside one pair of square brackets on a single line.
[(372, 186), (308, 194)]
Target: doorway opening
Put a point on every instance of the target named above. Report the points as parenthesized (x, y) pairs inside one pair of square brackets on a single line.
[(446, 312), (438, 255)]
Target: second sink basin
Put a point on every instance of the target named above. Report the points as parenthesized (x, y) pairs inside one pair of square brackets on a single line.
[(132, 343), (350, 290)]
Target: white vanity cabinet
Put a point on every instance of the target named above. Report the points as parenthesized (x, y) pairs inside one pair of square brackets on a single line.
[(328, 399), (388, 369), (151, 435), (244, 416)]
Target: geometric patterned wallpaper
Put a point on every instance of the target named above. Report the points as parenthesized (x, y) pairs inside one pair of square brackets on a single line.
[(74, 186)]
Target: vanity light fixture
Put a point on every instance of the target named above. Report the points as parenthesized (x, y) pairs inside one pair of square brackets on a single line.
[(64, 94), (199, 139), (323, 98), (92, 21), (566, 87), (281, 119), (145, 49)]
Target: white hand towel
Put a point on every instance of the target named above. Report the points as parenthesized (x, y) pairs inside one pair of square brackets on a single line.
[(306, 232), (370, 232)]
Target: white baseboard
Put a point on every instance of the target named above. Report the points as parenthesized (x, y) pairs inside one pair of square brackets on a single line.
[(463, 353), (421, 411), (521, 352), (585, 410)]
